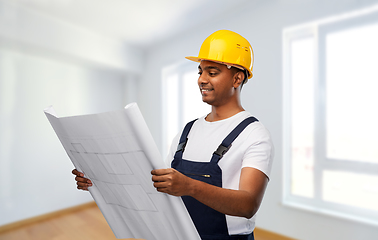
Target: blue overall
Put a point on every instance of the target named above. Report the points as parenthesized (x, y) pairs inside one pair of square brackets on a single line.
[(210, 223)]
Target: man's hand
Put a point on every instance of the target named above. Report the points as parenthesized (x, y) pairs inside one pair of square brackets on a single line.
[(243, 202), (171, 181), (82, 182)]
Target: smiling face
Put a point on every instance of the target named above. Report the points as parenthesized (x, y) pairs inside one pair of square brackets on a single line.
[(218, 84)]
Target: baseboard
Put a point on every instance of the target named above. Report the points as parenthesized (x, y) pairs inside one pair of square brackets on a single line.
[(259, 232), (18, 224)]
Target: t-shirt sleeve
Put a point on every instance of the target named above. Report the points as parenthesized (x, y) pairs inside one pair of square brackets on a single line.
[(260, 152), (172, 150)]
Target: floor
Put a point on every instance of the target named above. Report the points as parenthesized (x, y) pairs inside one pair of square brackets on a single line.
[(83, 224)]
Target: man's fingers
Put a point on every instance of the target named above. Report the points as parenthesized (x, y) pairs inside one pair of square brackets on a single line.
[(77, 173), (162, 184), (162, 189), (157, 185), (163, 178), (160, 172), (83, 180), (83, 186)]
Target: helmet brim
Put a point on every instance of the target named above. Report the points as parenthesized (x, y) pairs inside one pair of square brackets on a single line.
[(197, 59)]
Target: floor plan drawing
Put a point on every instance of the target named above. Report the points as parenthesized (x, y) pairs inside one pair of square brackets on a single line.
[(116, 151)]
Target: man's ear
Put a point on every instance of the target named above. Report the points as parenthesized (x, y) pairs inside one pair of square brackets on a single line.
[(238, 79)]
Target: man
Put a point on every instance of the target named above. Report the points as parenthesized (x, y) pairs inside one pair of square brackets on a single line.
[(222, 162)]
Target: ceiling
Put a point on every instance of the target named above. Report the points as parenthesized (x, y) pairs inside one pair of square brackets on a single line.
[(137, 22)]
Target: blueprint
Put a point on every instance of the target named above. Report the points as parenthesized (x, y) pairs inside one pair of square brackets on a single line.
[(117, 152)]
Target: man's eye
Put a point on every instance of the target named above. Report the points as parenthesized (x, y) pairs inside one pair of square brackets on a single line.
[(199, 73), (212, 73)]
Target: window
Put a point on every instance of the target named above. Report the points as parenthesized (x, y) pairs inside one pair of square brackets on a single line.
[(182, 100), (330, 116)]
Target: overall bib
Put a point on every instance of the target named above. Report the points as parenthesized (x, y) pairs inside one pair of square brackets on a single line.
[(209, 223)]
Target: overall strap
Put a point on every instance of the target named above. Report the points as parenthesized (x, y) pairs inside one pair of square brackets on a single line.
[(184, 139), (227, 142)]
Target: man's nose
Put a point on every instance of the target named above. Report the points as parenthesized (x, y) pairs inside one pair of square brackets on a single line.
[(202, 79)]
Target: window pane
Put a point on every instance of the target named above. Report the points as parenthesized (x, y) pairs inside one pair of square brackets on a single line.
[(172, 107), (358, 190), (302, 115), (193, 107), (351, 92)]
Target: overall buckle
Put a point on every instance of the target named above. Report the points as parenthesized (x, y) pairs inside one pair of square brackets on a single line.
[(181, 146), (222, 150)]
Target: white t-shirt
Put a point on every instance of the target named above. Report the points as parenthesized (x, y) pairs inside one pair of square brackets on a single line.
[(252, 148)]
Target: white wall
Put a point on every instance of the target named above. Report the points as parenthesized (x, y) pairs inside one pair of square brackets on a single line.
[(261, 22), (46, 62)]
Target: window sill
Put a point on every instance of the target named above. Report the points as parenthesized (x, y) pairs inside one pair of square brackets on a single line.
[(330, 213)]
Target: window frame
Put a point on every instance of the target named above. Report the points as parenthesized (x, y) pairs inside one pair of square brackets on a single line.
[(318, 31)]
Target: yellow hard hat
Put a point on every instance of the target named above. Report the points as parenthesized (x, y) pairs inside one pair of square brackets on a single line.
[(228, 48)]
